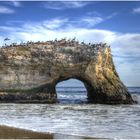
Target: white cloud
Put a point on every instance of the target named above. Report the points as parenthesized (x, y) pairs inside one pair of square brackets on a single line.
[(37, 32), (55, 23), (127, 44), (16, 3), (52, 24), (75, 4), (112, 15), (136, 10), (61, 23), (6, 10), (60, 5), (91, 21), (13, 3)]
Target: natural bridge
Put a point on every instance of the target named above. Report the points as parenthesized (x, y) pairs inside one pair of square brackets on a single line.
[(30, 72)]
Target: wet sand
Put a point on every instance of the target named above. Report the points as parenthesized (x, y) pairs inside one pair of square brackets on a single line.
[(7, 132)]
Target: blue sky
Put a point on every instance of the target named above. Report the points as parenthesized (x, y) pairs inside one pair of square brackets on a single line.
[(117, 23)]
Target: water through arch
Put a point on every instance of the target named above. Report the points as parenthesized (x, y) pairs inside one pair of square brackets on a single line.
[(71, 91)]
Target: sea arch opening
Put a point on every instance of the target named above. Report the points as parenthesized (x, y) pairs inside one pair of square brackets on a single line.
[(72, 90)]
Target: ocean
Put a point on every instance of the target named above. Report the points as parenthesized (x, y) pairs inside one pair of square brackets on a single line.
[(74, 116)]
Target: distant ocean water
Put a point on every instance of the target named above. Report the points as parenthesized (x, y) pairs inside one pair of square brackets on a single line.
[(73, 116)]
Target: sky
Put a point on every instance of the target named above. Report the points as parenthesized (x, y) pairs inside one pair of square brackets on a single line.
[(116, 23)]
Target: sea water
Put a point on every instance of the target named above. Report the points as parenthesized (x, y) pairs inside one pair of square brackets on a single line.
[(74, 116)]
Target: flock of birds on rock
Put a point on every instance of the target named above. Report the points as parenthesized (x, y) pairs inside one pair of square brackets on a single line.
[(63, 43), (83, 50)]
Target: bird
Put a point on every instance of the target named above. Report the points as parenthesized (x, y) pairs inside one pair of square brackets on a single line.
[(6, 39)]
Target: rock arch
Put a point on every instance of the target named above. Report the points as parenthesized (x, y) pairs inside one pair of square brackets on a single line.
[(30, 73)]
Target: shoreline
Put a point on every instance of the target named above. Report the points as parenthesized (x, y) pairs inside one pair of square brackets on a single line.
[(9, 132)]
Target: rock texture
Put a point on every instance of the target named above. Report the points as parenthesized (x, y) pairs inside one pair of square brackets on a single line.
[(29, 72)]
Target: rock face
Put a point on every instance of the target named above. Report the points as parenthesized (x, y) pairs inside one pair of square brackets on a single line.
[(29, 72)]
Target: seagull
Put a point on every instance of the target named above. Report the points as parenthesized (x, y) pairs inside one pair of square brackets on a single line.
[(6, 39)]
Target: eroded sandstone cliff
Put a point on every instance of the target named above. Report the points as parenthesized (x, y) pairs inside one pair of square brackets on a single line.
[(29, 72)]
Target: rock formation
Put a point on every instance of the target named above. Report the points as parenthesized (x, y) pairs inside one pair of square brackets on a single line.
[(29, 72)]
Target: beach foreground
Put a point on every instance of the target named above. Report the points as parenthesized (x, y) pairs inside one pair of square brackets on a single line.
[(7, 132)]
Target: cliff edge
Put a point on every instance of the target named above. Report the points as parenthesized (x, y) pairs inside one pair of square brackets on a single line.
[(29, 72)]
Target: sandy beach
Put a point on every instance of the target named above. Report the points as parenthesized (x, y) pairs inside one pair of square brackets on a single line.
[(7, 132)]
